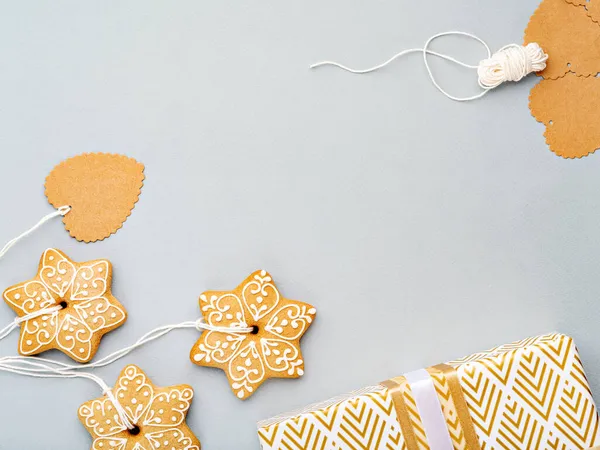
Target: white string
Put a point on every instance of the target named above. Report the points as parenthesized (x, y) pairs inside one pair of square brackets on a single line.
[(511, 63), (119, 408), (146, 338), (47, 368), (32, 368), (201, 325), (18, 320), (62, 211)]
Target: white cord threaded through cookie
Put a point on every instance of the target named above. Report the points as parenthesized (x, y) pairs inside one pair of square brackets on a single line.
[(52, 311), (150, 336), (31, 367)]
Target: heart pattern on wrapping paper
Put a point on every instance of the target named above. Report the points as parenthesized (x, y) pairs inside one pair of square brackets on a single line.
[(101, 189)]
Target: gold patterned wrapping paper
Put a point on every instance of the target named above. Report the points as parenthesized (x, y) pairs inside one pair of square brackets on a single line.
[(531, 394)]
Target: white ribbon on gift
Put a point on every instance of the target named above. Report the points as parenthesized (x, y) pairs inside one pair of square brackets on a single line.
[(430, 410)]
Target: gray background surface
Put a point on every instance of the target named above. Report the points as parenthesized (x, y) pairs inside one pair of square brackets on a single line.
[(421, 229)]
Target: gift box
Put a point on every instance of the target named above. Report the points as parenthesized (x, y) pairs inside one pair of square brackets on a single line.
[(531, 394)]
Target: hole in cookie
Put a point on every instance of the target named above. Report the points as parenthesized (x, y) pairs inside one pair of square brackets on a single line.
[(254, 329), (63, 304), (134, 431), (551, 122)]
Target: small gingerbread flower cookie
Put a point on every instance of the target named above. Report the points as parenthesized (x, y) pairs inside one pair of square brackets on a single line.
[(156, 416), (67, 306), (271, 350)]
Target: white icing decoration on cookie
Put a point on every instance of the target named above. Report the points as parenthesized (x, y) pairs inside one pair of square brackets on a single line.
[(218, 346), (25, 296), (224, 310), (36, 333), (281, 356), (89, 307), (93, 313), (56, 273), (290, 321), (158, 440), (248, 359), (260, 296), (176, 404), (158, 414), (246, 369), (90, 281)]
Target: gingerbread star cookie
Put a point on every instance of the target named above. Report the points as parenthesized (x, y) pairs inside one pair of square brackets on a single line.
[(271, 350), (157, 414), (67, 306)]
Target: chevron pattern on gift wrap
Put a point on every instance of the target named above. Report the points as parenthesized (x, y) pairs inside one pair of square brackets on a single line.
[(518, 430), (531, 394), (306, 435), (536, 384), (579, 375), (366, 422), (300, 433), (577, 418), (483, 398), (512, 347), (500, 367), (555, 444), (455, 428), (541, 383), (415, 418), (320, 406)]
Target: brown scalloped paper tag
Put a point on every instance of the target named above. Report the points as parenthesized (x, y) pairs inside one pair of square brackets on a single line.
[(592, 7), (568, 36), (101, 189), (568, 107)]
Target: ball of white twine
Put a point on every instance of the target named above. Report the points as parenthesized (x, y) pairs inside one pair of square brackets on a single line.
[(511, 63)]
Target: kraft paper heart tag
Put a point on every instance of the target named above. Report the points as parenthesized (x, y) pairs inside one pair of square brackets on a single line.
[(100, 188), (568, 107), (568, 35), (93, 192), (592, 7)]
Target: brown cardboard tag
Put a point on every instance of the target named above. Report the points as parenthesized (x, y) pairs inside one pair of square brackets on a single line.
[(592, 8), (570, 38), (568, 107), (101, 189)]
